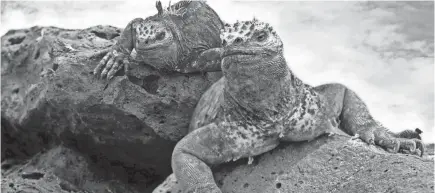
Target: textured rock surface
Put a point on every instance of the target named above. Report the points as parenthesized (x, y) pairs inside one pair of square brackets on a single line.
[(59, 170), (49, 96), (327, 164)]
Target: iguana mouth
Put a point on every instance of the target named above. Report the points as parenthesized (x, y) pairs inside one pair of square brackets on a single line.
[(233, 52), (153, 47), (244, 52)]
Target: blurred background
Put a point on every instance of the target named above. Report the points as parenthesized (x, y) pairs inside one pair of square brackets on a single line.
[(384, 51)]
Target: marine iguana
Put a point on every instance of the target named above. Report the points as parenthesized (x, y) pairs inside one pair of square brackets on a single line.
[(259, 103), (175, 39)]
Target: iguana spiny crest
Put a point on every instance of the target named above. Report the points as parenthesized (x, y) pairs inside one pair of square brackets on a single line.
[(245, 30)]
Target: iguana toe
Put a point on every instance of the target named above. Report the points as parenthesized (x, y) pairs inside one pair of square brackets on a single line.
[(108, 67), (115, 68), (101, 64)]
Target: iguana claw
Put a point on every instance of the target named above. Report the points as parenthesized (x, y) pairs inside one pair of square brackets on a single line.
[(111, 63)]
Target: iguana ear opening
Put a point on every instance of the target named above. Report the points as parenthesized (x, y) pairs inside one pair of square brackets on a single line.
[(159, 7)]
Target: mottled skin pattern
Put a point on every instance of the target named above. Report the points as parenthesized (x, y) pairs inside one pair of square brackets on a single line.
[(176, 39), (259, 103)]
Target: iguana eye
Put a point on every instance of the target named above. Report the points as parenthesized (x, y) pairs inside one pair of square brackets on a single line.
[(238, 40), (261, 37), (161, 36)]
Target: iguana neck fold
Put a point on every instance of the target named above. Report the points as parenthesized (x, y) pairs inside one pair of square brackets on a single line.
[(261, 94)]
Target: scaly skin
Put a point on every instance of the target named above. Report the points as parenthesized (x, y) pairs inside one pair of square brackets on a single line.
[(414, 146), (259, 103), (176, 39)]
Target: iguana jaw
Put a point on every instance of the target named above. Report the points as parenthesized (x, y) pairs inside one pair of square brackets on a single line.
[(247, 55)]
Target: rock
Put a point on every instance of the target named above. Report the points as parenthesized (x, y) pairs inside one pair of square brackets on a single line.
[(59, 170), (49, 96), (327, 164), (430, 150)]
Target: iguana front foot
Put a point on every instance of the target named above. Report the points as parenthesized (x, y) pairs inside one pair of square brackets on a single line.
[(381, 137), (214, 144), (411, 146), (111, 63)]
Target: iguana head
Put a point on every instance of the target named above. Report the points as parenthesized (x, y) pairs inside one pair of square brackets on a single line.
[(253, 64), (252, 49), (176, 35)]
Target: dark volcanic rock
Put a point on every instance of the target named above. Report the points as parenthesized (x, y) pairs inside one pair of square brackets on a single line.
[(49, 96), (59, 170), (327, 164)]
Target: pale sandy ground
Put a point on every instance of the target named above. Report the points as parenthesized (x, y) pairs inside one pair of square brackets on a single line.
[(382, 50)]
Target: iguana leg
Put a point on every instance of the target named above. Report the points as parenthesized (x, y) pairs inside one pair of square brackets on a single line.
[(356, 119), (420, 146), (210, 145)]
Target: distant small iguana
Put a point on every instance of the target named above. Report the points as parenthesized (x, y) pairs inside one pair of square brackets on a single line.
[(176, 39), (259, 103)]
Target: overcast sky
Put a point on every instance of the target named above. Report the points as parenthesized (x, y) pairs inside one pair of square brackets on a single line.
[(381, 50)]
